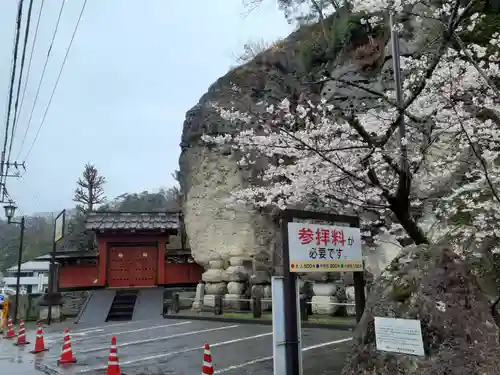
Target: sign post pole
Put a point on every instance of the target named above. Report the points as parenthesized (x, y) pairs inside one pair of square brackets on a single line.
[(331, 247), (279, 313), (59, 226), (290, 302)]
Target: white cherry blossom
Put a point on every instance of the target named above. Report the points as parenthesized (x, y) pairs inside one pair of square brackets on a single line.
[(322, 159)]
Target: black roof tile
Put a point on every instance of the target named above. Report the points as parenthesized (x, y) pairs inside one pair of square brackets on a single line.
[(125, 221)]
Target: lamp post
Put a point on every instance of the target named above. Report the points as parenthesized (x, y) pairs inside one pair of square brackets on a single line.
[(10, 210)]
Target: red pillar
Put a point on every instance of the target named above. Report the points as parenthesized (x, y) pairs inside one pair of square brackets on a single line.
[(162, 244), (103, 254)]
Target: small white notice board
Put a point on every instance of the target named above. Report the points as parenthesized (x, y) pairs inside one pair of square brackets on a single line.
[(399, 336)]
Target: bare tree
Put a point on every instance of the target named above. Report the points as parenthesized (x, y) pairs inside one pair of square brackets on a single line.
[(90, 189), (252, 49)]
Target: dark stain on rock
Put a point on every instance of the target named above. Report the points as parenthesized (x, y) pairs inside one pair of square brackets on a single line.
[(369, 337), (432, 336)]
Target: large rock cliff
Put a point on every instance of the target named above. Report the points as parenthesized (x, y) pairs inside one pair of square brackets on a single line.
[(238, 245), (234, 245)]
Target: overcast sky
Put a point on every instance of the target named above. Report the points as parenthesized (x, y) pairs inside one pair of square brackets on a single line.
[(133, 71)]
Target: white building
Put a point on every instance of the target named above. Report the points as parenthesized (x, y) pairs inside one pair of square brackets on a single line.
[(34, 277)]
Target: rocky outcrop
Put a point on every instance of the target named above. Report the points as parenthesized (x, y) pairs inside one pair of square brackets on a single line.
[(220, 236), (235, 245), (432, 284)]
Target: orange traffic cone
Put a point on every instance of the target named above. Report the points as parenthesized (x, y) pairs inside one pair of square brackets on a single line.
[(10, 330), (21, 338), (67, 352), (207, 368), (39, 343), (113, 362)]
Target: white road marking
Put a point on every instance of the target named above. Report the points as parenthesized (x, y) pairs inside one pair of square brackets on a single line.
[(78, 333), (235, 367), (86, 332), (95, 329), (263, 359), (132, 331), (326, 344), (163, 355), (159, 338), (113, 325)]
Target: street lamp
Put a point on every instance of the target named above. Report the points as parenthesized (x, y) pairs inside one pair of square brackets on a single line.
[(10, 210)]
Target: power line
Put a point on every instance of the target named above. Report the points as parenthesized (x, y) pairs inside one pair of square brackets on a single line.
[(11, 68), (34, 192), (23, 59), (11, 85), (57, 81), (42, 76), (8, 198), (11, 91), (28, 76)]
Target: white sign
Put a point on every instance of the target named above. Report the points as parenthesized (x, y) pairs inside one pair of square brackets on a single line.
[(399, 336), (324, 248), (59, 227)]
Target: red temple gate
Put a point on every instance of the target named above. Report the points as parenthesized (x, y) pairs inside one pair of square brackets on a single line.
[(132, 251)]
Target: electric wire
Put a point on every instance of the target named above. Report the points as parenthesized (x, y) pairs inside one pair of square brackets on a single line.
[(12, 201), (21, 70), (11, 68), (11, 89), (34, 192), (43, 74), (2, 187), (28, 76), (57, 81)]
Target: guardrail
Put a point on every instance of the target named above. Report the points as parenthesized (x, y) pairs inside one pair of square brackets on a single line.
[(254, 305)]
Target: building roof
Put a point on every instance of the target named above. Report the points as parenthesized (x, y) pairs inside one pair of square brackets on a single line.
[(74, 254), (31, 266), (132, 221)]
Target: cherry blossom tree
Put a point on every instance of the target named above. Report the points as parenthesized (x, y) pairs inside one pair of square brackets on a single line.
[(324, 158)]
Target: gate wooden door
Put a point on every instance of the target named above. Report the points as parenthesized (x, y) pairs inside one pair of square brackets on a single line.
[(132, 266)]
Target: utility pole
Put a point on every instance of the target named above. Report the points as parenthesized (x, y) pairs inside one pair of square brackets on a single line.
[(11, 88), (398, 82), (5, 174), (5, 163), (10, 210)]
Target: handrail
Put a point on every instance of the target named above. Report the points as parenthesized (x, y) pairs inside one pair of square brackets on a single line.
[(84, 306)]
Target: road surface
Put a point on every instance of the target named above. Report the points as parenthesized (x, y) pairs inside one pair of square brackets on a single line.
[(175, 347)]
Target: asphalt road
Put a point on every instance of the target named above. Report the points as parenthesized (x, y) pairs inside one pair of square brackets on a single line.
[(176, 347), (17, 360)]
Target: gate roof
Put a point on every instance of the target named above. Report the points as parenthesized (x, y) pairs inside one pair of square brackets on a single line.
[(133, 221)]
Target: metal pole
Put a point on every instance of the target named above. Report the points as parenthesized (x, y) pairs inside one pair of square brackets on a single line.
[(359, 294), (399, 92), (359, 284), (19, 261), (51, 277), (290, 302)]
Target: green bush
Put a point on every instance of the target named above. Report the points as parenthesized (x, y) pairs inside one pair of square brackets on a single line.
[(342, 30)]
